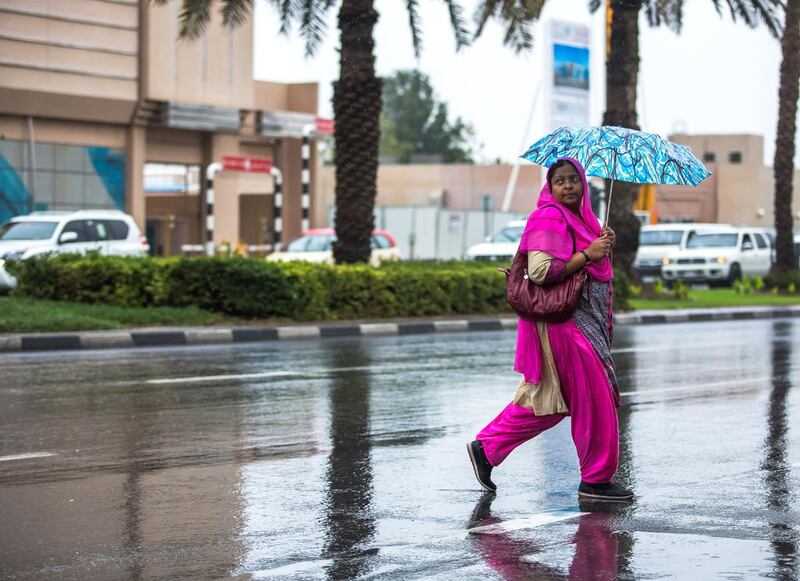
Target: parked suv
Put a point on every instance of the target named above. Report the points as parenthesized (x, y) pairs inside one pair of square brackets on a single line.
[(720, 256), (108, 231), (658, 241)]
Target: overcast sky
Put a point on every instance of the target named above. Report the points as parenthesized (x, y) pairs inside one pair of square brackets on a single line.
[(716, 77)]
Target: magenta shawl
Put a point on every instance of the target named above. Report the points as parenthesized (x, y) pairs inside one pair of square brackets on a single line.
[(549, 230)]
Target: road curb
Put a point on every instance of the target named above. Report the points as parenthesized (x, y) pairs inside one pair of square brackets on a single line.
[(220, 335)]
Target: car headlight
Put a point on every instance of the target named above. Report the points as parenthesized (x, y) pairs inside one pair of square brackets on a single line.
[(721, 260), (2, 263), (666, 261)]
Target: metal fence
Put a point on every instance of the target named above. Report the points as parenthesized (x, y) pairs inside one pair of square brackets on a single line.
[(430, 232)]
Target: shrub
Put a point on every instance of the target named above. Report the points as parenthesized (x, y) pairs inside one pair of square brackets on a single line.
[(114, 280), (680, 290), (622, 290), (236, 286), (783, 280), (258, 289)]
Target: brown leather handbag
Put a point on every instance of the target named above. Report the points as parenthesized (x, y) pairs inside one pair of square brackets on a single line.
[(532, 302)]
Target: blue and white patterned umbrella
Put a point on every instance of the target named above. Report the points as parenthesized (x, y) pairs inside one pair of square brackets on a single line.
[(621, 154), (618, 153)]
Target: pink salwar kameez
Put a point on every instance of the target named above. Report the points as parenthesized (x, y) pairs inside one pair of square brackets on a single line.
[(591, 404), (580, 349)]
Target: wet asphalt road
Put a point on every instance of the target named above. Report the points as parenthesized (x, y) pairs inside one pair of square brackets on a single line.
[(345, 458)]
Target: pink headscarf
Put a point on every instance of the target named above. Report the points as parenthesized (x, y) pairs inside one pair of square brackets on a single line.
[(548, 230)]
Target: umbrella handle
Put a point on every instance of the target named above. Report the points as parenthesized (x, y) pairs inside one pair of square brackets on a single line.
[(608, 202)]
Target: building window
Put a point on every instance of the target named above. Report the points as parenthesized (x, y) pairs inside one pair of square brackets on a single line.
[(65, 177), (709, 157), (735, 157)]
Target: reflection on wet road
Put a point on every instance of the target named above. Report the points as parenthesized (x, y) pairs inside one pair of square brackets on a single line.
[(344, 458)]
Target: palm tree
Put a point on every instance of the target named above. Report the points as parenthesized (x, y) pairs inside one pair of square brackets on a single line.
[(622, 74), (357, 93), (784, 142)]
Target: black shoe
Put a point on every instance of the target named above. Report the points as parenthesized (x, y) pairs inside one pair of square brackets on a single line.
[(604, 491), (481, 466)]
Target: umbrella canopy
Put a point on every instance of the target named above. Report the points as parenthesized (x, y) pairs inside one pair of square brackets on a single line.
[(621, 154)]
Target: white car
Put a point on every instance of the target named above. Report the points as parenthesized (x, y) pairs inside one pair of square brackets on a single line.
[(500, 247), (316, 245), (108, 231), (657, 241), (796, 240), (720, 256)]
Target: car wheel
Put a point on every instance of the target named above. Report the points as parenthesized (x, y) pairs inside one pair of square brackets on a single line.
[(734, 274)]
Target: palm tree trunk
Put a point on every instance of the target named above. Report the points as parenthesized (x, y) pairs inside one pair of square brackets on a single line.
[(357, 108), (622, 76), (784, 143)]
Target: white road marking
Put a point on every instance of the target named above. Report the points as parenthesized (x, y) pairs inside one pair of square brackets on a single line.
[(26, 456), (200, 378), (530, 522)]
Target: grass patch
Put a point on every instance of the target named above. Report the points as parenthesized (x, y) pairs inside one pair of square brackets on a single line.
[(22, 315), (716, 298)]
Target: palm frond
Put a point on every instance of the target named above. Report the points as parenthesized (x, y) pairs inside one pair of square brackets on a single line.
[(754, 12), (738, 9), (516, 15), (235, 12), (287, 11), (312, 25), (665, 12), (413, 24), (457, 22), (518, 35), (194, 18), (483, 12)]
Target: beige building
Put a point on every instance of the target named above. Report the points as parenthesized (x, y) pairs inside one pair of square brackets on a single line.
[(739, 191), (94, 92), (458, 186)]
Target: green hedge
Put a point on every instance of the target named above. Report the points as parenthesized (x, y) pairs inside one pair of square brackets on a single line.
[(258, 289), (784, 281)]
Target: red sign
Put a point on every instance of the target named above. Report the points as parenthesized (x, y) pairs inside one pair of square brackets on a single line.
[(239, 163), (324, 125)]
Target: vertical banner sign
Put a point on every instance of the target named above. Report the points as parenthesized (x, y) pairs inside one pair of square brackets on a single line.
[(568, 80)]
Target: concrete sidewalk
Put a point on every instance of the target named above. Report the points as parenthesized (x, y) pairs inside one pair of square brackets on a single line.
[(154, 337)]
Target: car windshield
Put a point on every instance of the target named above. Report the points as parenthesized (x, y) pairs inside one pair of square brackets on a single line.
[(311, 243), (712, 240), (510, 234), (660, 238), (27, 230)]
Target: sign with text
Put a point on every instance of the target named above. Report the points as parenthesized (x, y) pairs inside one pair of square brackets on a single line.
[(252, 164), (568, 86), (324, 126)]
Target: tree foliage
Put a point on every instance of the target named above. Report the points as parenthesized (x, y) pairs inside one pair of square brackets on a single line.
[(415, 122)]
